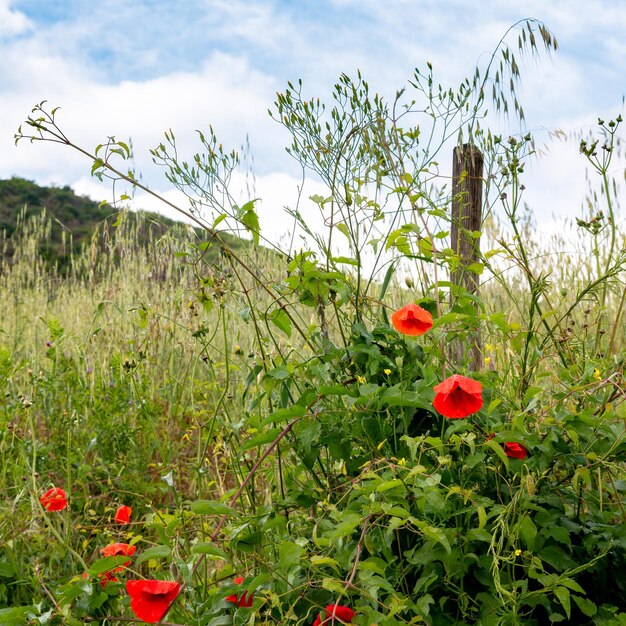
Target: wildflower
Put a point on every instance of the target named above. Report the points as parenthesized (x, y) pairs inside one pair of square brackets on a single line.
[(596, 374), (122, 515), (245, 599), (387, 371), (339, 612), (518, 552), (412, 320), (119, 549), (54, 499), (458, 396), (150, 599), (515, 450), (360, 380)]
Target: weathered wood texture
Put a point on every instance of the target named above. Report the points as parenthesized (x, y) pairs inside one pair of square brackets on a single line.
[(466, 218)]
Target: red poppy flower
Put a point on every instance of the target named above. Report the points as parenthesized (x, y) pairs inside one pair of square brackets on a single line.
[(119, 549), (122, 515), (412, 320), (245, 599), (150, 599), (458, 397), (54, 499), (339, 612), (515, 450)]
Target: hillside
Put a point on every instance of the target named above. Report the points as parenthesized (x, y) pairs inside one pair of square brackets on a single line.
[(77, 216)]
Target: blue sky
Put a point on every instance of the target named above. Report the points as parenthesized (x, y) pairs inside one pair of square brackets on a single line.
[(136, 68)]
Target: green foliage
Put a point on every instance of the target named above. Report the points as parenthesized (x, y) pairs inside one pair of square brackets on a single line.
[(265, 420)]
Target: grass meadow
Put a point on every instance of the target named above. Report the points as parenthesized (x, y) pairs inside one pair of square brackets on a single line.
[(129, 381)]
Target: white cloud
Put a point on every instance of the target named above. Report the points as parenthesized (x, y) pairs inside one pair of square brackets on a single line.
[(12, 22), (225, 92)]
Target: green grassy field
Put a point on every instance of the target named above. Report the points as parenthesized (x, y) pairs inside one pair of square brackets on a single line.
[(132, 380)]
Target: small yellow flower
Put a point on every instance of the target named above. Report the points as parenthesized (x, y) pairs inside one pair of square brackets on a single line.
[(360, 380), (387, 371), (402, 462), (518, 552), (487, 360), (596, 374)]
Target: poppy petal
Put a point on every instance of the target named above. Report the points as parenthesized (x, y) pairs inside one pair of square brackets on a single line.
[(54, 499), (515, 450), (339, 612), (458, 396), (412, 320), (150, 599), (122, 515), (119, 549)]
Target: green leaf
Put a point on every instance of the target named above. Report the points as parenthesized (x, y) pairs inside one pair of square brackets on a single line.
[(528, 531), (562, 593), (556, 557), (346, 526), (210, 549), (281, 320), (344, 259), (248, 217), (218, 220), (261, 439), (397, 239), (434, 534), (397, 396), (322, 561), (497, 448), (586, 606), (284, 415), (388, 276), (222, 620), (289, 555), (572, 584), (97, 164), (334, 586), (334, 390), (107, 564), (342, 228), (476, 268), (211, 507), (279, 373), (389, 484), (407, 178), (156, 552), (482, 517), (247, 542), (16, 615)]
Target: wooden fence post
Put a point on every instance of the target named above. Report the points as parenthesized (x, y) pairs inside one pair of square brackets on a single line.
[(466, 218)]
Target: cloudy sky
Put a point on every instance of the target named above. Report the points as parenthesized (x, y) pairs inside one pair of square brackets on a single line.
[(134, 68)]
